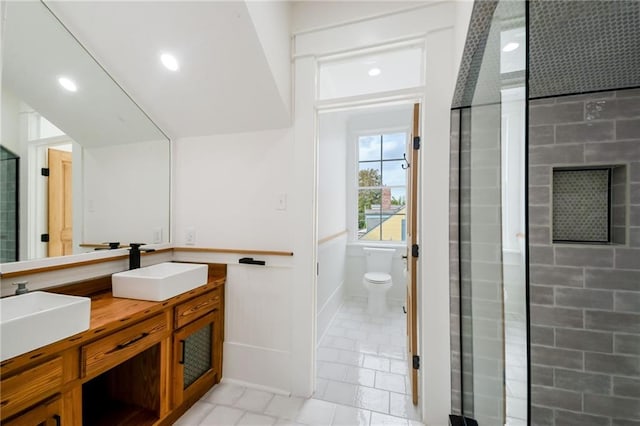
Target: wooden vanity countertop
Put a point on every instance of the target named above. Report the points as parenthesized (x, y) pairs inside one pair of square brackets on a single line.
[(109, 314)]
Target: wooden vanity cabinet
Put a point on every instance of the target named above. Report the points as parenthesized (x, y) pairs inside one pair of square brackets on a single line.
[(197, 346), (28, 387), (142, 363), (47, 413)]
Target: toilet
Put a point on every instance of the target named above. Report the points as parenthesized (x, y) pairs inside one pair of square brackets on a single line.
[(377, 278)]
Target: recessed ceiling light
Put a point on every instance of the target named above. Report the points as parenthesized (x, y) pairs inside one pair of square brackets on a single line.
[(169, 61), (510, 47), (374, 72), (68, 84)]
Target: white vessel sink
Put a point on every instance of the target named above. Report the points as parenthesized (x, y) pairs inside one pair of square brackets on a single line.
[(159, 282), (36, 319)]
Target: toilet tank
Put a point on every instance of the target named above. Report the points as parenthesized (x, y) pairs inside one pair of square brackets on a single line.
[(378, 259)]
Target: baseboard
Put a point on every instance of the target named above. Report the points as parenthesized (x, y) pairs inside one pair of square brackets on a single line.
[(257, 367), (249, 385), (339, 291)]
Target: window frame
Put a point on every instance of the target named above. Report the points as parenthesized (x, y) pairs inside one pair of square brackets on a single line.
[(354, 188)]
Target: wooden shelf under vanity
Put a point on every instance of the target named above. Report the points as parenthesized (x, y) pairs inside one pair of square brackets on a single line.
[(126, 368)]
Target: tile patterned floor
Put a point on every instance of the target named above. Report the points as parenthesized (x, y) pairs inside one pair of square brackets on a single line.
[(361, 381), (362, 361)]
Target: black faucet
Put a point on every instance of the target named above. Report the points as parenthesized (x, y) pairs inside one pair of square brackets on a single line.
[(134, 254)]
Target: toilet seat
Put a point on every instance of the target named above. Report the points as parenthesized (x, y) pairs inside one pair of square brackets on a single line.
[(377, 277)]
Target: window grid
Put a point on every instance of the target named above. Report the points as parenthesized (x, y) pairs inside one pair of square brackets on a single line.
[(382, 216)]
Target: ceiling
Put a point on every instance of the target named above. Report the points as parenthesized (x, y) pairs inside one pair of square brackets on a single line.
[(225, 83), (35, 52)]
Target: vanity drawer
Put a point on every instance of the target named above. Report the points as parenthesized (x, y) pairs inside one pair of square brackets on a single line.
[(197, 307), (116, 348), (23, 389)]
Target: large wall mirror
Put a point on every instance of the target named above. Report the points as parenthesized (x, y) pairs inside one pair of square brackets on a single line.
[(81, 163)]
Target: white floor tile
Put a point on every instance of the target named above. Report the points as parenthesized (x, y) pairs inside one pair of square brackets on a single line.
[(222, 416), (378, 419), (340, 343), (284, 407), (195, 414), (335, 330), (328, 354), (254, 400), (392, 351), (401, 405), (398, 367), (391, 382), (379, 338), (515, 422), (340, 393), (361, 376), (351, 416), (287, 422), (367, 348), (350, 323), (331, 370), (398, 340), (372, 399), (315, 412), (251, 419), (321, 386), (225, 394), (359, 335), (376, 363), (350, 357), (379, 349)]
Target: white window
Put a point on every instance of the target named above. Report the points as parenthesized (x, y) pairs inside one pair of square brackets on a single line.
[(382, 186)]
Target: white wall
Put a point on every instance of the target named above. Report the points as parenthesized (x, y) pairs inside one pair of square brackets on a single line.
[(440, 27), (433, 266), (9, 125), (123, 178), (272, 22), (332, 174), (257, 342), (332, 200), (227, 189), (331, 288), (315, 14)]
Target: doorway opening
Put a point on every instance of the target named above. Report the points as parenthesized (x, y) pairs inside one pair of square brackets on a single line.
[(364, 356)]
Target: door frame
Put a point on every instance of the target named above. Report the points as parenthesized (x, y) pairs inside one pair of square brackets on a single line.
[(406, 96), (36, 192)]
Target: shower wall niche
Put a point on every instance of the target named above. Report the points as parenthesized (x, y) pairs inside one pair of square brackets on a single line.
[(584, 258)]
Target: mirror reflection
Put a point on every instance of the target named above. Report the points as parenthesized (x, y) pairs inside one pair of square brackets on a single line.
[(81, 164)]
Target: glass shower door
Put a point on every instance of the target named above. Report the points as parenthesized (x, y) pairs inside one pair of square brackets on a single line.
[(491, 215)]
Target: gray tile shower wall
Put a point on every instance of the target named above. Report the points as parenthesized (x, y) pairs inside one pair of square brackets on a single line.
[(585, 298), (8, 208)]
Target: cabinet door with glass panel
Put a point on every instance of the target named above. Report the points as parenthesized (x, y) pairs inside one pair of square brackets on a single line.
[(197, 347)]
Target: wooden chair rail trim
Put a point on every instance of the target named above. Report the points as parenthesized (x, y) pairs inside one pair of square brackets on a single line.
[(332, 237), (100, 245), (233, 251), (6, 275), (51, 268)]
